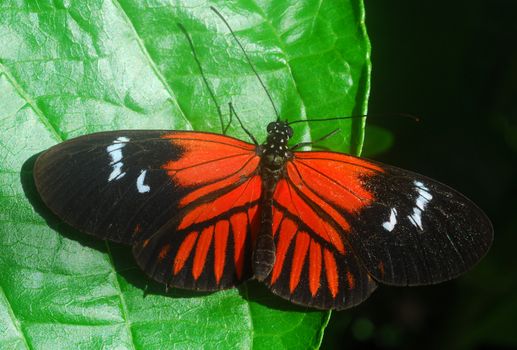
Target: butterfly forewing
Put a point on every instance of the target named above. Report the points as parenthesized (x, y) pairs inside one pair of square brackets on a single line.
[(208, 245), (110, 184), (418, 231)]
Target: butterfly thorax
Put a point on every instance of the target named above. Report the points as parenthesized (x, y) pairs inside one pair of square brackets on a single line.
[(274, 155), (275, 152)]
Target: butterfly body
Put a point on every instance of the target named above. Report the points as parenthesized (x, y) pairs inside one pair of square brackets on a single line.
[(274, 154), (206, 212)]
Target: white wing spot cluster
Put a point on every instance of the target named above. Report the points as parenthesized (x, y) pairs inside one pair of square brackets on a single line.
[(115, 152), (424, 197)]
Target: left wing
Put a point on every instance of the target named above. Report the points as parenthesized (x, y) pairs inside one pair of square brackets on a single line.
[(186, 201)]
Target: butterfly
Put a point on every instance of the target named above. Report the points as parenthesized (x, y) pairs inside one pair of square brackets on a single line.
[(205, 211)]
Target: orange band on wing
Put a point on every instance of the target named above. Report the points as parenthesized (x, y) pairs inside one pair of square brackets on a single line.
[(203, 244), (164, 251), (207, 157), (339, 172), (300, 252), (348, 161), (239, 196), (221, 238), (331, 272), (351, 280), (213, 141), (184, 251), (301, 185), (239, 224), (314, 267), (236, 175), (287, 231), (288, 198)]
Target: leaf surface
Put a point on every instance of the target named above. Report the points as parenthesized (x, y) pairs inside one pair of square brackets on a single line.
[(69, 68)]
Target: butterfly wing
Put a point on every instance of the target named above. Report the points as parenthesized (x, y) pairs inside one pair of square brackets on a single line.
[(152, 189), (341, 221), (418, 231), (207, 246), (314, 266)]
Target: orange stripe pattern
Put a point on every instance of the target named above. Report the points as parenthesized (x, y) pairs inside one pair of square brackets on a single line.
[(315, 268), (288, 198), (229, 180), (300, 252), (310, 224)]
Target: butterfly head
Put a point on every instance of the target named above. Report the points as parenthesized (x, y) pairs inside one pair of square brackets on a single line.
[(278, 134), (281, 129)]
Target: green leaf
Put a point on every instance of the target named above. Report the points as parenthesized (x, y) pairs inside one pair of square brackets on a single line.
[(69, 68)]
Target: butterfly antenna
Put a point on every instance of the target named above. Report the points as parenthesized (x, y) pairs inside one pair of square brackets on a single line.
[(212, 95), (404, 115), (247, 59)]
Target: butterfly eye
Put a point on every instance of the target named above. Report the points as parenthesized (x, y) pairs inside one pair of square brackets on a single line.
[(271, 127), (289, 131)]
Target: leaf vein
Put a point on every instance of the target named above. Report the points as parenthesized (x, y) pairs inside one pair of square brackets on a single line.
[(16, 322), (151, 61), (23, 94)]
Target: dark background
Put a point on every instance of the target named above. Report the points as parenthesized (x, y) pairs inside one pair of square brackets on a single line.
[(454, 64)]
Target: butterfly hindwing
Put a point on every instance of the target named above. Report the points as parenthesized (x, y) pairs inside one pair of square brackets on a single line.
[(167, 188), (315, 264), (312, 267), (208, 245)]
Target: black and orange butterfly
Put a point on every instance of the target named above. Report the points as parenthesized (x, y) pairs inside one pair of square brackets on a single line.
[(205, 211)]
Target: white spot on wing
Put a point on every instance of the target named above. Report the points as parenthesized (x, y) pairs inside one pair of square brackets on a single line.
[(115, 152), (420, 204), (416, 218), (141, 187), (390, 225)]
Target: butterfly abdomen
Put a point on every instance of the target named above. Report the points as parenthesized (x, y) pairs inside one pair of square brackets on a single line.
[(264, 251)]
